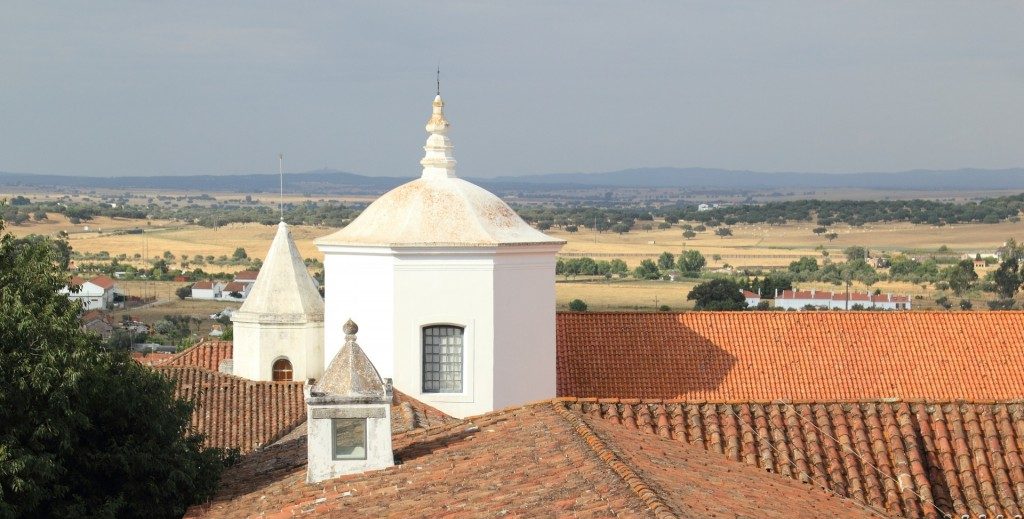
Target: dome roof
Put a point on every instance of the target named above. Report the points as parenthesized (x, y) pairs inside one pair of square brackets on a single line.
[(284, 292), (438, 212), (438, 209)]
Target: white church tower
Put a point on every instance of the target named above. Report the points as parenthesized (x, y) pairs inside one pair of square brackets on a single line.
[(454, 291), (279, 330)]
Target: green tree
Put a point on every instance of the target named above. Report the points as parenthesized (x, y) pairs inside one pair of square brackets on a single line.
[(961, 277), (183, 292), (84, 431), (717, 294), (239, 254), (691, 261), (723, 232), (667, 261), (647, 270), (689, 234), (577, 305), (804, 264), (1007, 278), (855, 252), (831, 236)]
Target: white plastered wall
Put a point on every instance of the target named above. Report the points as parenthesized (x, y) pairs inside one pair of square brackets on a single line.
[(256, 347), (446, 287), (359, 285), (321, 464), (524, 325)]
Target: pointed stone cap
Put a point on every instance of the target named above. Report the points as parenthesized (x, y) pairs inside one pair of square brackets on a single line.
[(351, 376), (438, 161), (284, 291)]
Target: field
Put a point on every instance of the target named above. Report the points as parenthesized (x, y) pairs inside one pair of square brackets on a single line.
[(751, 246)]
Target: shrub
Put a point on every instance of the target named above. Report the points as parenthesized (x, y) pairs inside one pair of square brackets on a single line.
[(577, 305)]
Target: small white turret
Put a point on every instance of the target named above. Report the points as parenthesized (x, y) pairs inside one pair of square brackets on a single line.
[(279, 330), (438, 161)]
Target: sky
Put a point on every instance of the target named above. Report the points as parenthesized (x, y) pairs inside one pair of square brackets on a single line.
[(174, 88)]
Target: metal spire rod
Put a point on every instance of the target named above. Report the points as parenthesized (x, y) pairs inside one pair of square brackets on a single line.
[(280, 174), (439, 78)]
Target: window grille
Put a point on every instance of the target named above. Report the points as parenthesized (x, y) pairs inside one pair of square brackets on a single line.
[(282, 370), (442, 359)]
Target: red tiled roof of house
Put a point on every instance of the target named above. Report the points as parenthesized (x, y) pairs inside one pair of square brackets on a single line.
[(103, 282), (206, 354), (153, 358), (247, 275), (805, 294), (819, 356), (203, 285), (76, 280), (750, 295), (538, 459), (237, 413), (914, 460), (234, 286)]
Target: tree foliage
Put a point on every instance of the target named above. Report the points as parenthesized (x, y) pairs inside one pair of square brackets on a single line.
[(717, 294), (691, 261), (84, 432)]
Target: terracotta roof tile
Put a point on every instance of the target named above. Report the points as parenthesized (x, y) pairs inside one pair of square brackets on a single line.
[(203, 285), (911, 459), (103, 282), (536, 460), (237, 413), (763, 356), (208, 354)]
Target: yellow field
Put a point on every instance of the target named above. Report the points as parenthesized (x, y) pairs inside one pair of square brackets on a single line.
[(764, 245), (751, 246)]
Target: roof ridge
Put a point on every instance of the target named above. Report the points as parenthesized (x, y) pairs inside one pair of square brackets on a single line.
[(743, 401), (637, 484), (170, 367)]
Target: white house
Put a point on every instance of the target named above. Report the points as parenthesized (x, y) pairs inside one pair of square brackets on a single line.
[(235, 291), (451, 288), (207, 289), (752, 298), (279, 330), (94, 294), (831, 300)]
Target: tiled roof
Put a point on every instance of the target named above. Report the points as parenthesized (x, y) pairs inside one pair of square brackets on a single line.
[(247, 275), (915, 460), (103, 282), (207, 354), (237, 413), (77, 281), (203, 285), (819, 356), (804, 294), (153, 358), (750, 295), (234, 286), (536, 460)]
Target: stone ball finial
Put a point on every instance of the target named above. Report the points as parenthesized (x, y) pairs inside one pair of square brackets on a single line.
[(350, 328)]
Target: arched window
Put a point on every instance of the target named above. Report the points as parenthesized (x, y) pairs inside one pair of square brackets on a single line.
[(282, 370), (442, 359)]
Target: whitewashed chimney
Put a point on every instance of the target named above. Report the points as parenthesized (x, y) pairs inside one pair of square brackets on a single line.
[(348, 416)]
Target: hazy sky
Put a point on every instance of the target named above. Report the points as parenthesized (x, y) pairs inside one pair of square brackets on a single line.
[(146, 88)]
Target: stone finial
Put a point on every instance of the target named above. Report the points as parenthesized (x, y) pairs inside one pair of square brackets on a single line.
[(438, 161), (351, 329)]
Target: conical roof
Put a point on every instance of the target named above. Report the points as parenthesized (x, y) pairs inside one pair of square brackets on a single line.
[(351, 375), (284, 291), (438, 209)]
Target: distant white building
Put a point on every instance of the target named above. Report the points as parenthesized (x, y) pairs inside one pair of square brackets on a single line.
[(753, 298), (207, 290), (831, 300), (94, 294)]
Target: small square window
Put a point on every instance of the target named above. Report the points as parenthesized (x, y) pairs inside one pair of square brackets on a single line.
[(349, 438)]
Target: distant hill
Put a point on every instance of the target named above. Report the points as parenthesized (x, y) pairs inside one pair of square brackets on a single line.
[(340, 182), (325, 181), (704, 178)]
